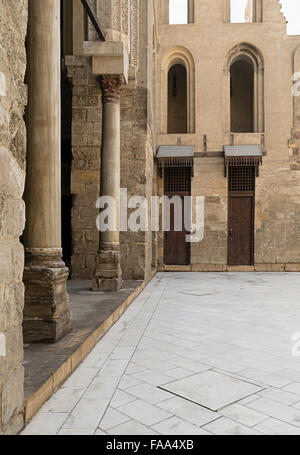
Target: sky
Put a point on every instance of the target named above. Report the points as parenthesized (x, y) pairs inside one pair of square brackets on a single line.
[(291, 9)]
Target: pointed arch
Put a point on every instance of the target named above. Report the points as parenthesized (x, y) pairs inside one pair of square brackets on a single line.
[(251, 56), (179, 57)]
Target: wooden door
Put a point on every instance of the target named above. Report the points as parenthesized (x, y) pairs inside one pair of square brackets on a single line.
[(176, 249), (240, 229)]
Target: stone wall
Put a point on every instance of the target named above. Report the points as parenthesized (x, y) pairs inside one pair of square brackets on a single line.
[(13, 22), (85, 177), (136, 176)]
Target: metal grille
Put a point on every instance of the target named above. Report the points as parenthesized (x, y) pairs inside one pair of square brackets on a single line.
[(241, 178), (178, 180)]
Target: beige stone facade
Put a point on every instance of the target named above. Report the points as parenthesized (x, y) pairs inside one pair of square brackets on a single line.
[(207, 49), (122, 83)]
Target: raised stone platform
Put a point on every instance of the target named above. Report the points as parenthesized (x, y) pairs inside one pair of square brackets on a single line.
[(48, 366)]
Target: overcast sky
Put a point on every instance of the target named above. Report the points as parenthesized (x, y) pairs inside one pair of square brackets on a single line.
[(291, 9)]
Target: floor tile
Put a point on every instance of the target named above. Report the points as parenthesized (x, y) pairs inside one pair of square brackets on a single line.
[(132, 428), (277, 427), (87, 414), (82, 377), (228, 427), (128, 381), (121, 398), (102, 387), (267, 378), (64, 400), (133, 369), (112, 418), (144, 412), (282, 396), (148, 393), (277, 410), (294, 387), (211, 389), (45, 424), (177, 426), (179, 373), (243, 415), (152, 377), (114, 367), (188, 411)]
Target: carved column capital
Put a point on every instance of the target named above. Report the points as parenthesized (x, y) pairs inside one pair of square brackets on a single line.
[(111, 87)]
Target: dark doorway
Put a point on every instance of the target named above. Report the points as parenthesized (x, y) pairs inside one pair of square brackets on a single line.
[(242, 96), (176, 249), (241, 204), (177, 100)]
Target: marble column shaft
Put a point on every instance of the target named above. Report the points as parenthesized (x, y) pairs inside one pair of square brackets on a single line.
[(47, 316), (108, 276)]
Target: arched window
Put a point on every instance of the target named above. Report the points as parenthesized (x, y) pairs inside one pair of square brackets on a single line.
[(242, 96), (177, 95), (244, 90), (177, 99)]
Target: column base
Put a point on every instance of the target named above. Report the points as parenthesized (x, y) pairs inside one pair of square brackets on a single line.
[(108, 275), (47, 316)]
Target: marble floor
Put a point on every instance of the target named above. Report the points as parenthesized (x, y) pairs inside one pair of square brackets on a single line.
[(195, 354)]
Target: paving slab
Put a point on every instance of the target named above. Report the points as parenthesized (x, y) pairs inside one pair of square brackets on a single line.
[(211, 389)]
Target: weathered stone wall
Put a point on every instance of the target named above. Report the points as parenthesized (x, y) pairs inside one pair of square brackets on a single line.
[(137, 144), (85, 178), (13, 22), (136, 175)]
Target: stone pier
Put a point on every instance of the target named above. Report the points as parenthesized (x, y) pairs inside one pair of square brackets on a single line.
[(47, 316)]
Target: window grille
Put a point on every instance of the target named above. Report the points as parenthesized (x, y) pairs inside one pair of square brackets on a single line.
[(241, 178), (178, 180)]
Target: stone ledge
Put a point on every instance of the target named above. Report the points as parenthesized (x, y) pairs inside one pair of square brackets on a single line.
[(48, 367), (275, 268)]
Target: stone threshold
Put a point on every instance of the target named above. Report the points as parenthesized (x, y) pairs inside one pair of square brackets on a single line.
[(47, 367), (226, 268)]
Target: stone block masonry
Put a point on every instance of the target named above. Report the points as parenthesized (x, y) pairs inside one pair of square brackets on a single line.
[(13, 94), (85, 182), (136, 171)]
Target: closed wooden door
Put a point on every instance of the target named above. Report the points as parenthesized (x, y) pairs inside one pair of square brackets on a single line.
[(241, 230), (176, 249)]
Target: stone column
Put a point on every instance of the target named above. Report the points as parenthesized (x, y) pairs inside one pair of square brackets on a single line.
[(108, 275), (46, 316)]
